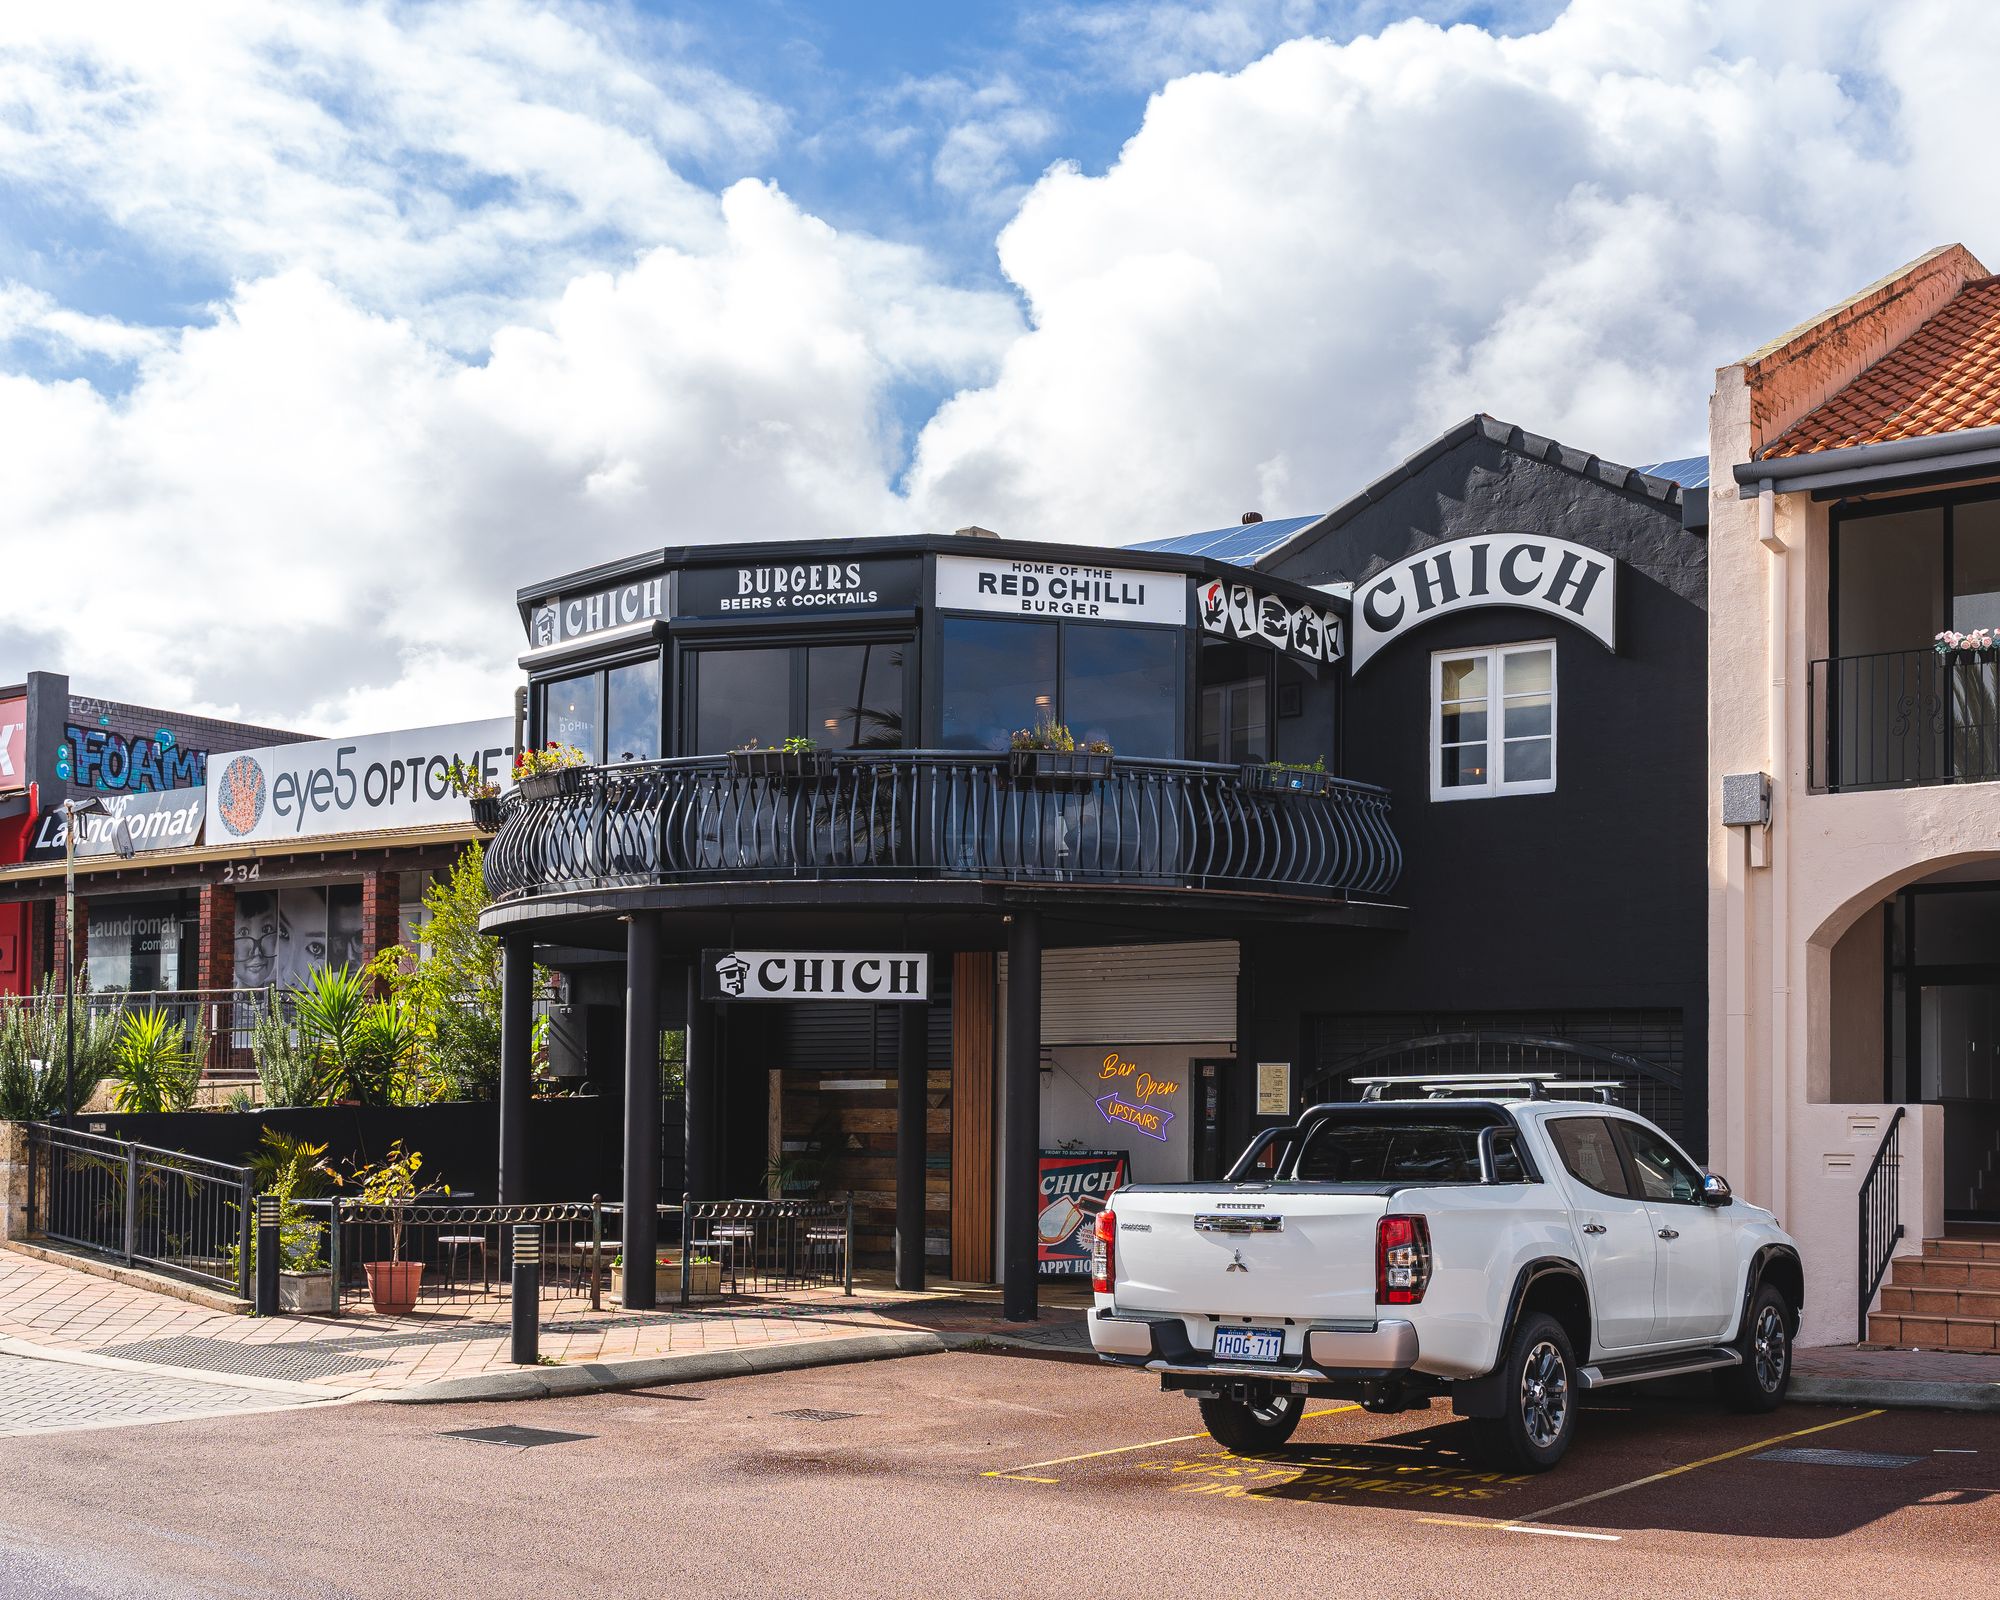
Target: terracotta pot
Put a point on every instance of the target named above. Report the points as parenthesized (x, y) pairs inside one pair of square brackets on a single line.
[(392, 1285)]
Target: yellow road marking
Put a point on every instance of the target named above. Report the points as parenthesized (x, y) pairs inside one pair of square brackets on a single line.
[(1126, 1449)]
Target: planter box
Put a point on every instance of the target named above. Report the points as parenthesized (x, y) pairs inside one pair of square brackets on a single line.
[(1279, 780), (308, 1293), (1058, 766), (704, 1281), (486, 814), (793, 765), (538, 786)]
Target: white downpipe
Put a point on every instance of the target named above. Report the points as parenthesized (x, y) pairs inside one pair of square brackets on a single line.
[(1779, 726)]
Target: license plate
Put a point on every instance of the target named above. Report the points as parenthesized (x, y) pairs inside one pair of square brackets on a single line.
[(1249, 1344)]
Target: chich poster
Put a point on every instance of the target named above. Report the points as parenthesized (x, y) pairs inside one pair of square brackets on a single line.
[(1075, 1184)]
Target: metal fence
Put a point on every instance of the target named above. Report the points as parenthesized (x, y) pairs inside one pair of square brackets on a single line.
[(223, 1018), (767, 1246), (1903, 718), (1879, 1226), (928, 813), (175, 1213)]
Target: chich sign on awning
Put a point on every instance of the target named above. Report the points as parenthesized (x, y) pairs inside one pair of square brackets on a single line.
[(874, 975), (1527, 570)]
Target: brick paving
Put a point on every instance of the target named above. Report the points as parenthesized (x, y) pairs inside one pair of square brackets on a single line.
[(61, 1309), (55, 1396), (1898, 1366)]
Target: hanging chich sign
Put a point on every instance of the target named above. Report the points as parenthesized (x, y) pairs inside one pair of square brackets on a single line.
[(1528, 570), (869, 975), (1072, 1189), (1242, 611), (1060, 589)]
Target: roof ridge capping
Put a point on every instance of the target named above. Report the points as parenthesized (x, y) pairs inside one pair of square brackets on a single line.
[(1905, 280)]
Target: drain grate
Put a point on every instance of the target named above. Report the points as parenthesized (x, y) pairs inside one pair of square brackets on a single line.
[(298, 1361), (808, 1414), (515, 1436), (1818, 1456)]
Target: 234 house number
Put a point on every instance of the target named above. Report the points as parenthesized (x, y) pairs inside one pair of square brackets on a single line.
[(242, 872)]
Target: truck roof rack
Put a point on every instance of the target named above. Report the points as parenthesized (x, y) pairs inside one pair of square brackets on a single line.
[(1535, 1085)]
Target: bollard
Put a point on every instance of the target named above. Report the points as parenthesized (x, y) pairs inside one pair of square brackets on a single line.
[(527, 1293), (268, 1260)]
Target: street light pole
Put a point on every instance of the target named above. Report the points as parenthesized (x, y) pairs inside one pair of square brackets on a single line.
[(69, 955)]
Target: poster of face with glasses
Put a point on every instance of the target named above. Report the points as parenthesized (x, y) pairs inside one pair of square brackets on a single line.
[(285, 935)]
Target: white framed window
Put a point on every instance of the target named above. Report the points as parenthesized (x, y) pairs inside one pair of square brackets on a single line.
[(1493, 721)]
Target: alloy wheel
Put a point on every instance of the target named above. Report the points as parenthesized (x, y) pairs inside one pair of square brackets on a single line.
[(1768, 1349), (1544, 1395)]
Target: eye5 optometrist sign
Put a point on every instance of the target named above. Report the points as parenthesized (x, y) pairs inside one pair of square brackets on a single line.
[(815, 975), (1060, 589), (376, 780), (1528, 570)]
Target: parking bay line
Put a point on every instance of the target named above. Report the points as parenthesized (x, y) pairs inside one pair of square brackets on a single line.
[(1125, 1449), (1520, 1524)]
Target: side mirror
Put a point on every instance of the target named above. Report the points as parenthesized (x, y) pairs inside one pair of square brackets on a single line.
[(1715, 1190)]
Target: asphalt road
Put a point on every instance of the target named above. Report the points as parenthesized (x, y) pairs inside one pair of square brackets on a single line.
[(990, 1474)]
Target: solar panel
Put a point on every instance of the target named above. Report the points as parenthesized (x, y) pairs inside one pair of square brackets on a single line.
[(1242, 544), (1690, 472)]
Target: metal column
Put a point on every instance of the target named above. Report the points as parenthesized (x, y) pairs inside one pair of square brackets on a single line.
[(1021, 1116), (912, 1126), (517, 995), (642, 1109), (703, 1159)]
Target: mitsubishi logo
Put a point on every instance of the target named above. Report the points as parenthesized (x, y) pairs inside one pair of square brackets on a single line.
[(1236, 1262)]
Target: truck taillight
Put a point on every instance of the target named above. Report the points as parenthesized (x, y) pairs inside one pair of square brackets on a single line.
[(1103, 1253), (1402, 1260)]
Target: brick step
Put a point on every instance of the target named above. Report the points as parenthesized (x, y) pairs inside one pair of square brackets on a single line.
[(1925, 1272), (1962, 1249), (1972, 1303), (1933, 1333)]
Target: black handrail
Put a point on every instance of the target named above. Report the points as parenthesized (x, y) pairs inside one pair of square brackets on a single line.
[(942, 814), (1903, 718), (1881, 1222)]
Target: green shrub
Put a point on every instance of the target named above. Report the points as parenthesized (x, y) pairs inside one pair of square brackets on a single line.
[(156, 1063), (287, 1065), (33, 1045)]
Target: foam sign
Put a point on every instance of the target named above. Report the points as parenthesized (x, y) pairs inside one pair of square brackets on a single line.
[(1527, 570), (1239, 611), (373, 781)]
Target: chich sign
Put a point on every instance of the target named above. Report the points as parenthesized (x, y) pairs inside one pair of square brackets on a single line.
[(814, 975), (375, 780), (578, 616), (1529, 570)]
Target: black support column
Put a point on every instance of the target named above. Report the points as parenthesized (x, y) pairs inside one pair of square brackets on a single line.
[(704, 1162), (912, 1130), (642, 1109), (517, 995), (1021, 1116)]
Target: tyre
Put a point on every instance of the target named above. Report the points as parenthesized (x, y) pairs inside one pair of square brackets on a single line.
[(1760, 1382), (1541, 1398), (1249, 1427)]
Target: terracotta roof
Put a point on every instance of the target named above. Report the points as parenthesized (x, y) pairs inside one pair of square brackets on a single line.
[(1944, 378)]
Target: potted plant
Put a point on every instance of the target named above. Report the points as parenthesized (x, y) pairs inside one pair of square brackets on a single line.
[(1049, 753), (391, 1185), (481, 790), (1288, 777), (795, 759), (555, 769), (704, 1275)]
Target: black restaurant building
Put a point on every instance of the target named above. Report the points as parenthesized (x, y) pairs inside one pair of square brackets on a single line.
[(1415, 784)]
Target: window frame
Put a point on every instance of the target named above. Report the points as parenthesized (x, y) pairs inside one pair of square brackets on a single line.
[(687, 677), (1624, 1132), (1185, 738), (1496, 785), (1633, 1187), (599, 668)]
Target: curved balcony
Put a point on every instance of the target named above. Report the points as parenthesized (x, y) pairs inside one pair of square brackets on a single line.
[(909, 814)]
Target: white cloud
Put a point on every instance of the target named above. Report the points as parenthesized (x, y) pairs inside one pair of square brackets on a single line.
[(480, 330)]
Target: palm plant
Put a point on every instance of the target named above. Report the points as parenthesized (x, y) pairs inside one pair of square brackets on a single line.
[(156, 1064), (327, 1009), (382, 1056)]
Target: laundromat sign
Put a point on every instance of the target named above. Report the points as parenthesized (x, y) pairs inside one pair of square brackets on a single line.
[(871, 975), (1504, 569)]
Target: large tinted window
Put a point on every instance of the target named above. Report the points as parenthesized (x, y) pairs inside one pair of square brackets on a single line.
[(1413, 1151), (742, 697), (854, 695), (632, 712), (571, 714), (996, 677), (1891, 577), (1121, 685), (1587, 1149)]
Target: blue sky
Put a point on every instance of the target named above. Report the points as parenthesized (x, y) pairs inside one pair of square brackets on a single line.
[(400, 305)]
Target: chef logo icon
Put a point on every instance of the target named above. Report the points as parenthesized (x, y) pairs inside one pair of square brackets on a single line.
[(730, 972), (545, 626)]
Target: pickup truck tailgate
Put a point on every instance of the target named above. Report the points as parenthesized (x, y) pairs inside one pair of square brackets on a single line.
[(1254, 1250)]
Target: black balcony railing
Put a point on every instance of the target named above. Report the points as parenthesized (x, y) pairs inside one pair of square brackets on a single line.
[(1901, 718), (943, 814)]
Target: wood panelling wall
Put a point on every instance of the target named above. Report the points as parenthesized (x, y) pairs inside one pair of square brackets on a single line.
[(972, 1069)]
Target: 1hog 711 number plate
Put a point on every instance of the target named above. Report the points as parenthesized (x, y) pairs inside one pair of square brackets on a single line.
[(1249, 1344)]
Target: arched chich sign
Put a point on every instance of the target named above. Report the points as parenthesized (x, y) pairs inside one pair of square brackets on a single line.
[(1529, 570)]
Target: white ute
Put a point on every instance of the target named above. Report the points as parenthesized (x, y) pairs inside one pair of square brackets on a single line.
[(1488, 1240)]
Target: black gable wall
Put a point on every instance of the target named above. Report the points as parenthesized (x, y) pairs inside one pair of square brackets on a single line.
[(1586, 901)]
